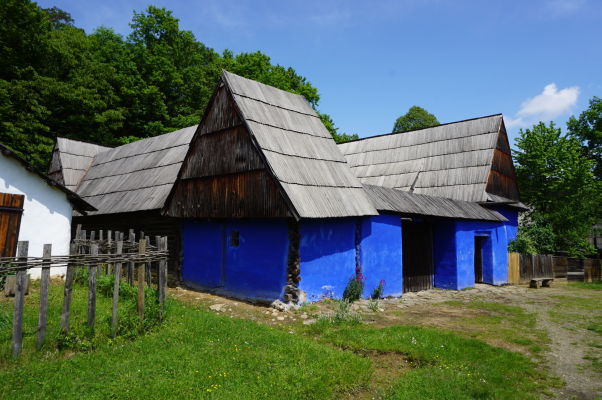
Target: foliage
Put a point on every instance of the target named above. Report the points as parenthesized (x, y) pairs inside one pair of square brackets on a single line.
[(415, 118), (535, 236), (377, 293), (557, 181), (373, 304), (56, 80), (354, 289), (334, 131), (343, 314), (588, 130)]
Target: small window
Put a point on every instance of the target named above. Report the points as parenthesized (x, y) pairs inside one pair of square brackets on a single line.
[(235, 238)]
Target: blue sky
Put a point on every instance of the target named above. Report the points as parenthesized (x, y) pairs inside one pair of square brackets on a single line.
[(371, 61)]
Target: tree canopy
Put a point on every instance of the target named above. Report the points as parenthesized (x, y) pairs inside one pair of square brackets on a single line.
[(588, 130), (415, 118), (558, 182), (56, 80)]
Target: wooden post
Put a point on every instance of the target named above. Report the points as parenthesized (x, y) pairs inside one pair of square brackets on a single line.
[(21, 281), (158, 240), (162, 246), (69, 276), (44, 281), (114, 319), (141, 268), (109, 244), (92, 289), (92, 236), (130, 271)]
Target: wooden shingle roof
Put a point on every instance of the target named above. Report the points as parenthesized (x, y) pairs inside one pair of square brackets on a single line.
[(452, 160), (71, 159), (399, 201), (137, 176), (299, 151)]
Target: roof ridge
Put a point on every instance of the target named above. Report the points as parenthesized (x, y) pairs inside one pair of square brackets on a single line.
[(421, 129)]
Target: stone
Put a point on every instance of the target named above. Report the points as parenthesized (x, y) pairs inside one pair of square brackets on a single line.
[(280, 318), (309, 321), (304, 316), (218, 307)]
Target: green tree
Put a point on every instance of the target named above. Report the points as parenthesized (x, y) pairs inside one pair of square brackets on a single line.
[(588, 130), (415, 118), (557, 181)]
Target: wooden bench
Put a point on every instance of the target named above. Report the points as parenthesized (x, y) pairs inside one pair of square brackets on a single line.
[(541, 282)]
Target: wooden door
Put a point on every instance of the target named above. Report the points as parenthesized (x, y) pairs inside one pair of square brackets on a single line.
[(11, 209), (417, 239), (479, 242)]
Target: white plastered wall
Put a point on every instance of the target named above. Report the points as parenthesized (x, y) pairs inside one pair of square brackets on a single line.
[(46, 211)]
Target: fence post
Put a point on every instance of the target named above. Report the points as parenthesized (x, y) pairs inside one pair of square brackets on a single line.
[(162, 246), (44, 296), (21, 281), (141, 268), (109, 245), (92, 287), (117, 270), (130, 271), (74, 249)]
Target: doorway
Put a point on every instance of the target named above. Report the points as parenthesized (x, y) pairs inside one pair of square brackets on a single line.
[(11, 209), (417, 257), (479, 247)]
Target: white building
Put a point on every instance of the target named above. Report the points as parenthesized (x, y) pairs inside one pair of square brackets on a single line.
[(47, 207)]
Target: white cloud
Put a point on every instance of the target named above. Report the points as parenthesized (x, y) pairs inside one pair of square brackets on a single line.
[(548, 105)]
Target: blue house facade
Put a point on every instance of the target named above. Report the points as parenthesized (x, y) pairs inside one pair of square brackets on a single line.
[(267, 206)]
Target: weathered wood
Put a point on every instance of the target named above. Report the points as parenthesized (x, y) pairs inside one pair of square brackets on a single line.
[(92, 290), (162, 244), (11, 209), (68, 291), (44, 282), (141, 270), (130, 270), (514, 268), (17, 340), (114, 318)]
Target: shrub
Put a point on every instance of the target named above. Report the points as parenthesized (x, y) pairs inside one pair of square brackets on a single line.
[(342, 314), (354, 289), (377, 293)]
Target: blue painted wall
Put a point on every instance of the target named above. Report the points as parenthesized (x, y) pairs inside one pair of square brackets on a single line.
[(327, 253), (512, 224), (203, 253), (256, 268), (381, 254), (454, 253)]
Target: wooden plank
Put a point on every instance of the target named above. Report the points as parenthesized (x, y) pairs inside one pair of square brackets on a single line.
[(141, 271), (44, 281), (17, 340), (162, 245), (68, 291), (92, 289), (114, 317), (130, 270), (514, 268)]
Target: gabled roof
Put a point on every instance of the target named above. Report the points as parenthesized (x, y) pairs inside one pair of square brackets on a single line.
[(78, 203), (137, 176), (399, 201), (299, 151), (452, 160), (71, 159)]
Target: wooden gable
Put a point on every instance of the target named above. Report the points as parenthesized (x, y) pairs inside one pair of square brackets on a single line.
[(502, 177), (224, 174)]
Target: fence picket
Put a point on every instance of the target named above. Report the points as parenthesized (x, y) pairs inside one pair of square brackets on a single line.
[(68, 291), (162, 245), (141, 270), (92, 289), (21, 281), (117, 271), (44, 281)]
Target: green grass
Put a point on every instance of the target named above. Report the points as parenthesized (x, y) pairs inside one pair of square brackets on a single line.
[(446, 366), (193, 354), (199, 354), (586, 285)]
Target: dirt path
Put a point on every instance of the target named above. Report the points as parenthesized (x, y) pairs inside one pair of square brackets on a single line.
[(553, 329)]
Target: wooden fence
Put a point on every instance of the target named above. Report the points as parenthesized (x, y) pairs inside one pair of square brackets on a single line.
[(98, 255), (523, 267)]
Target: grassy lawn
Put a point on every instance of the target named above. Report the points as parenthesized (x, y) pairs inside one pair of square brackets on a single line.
[(200, 354)]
